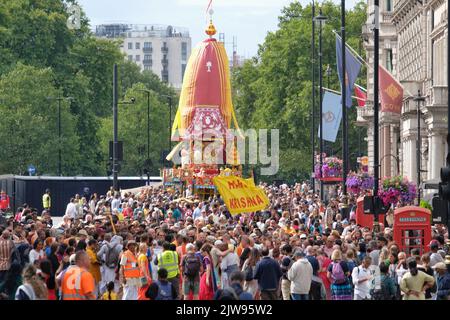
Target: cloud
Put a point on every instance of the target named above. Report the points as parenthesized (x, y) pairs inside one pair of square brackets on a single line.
[(236, 3)]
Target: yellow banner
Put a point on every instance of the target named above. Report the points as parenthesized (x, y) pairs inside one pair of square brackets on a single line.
[(241, 195)]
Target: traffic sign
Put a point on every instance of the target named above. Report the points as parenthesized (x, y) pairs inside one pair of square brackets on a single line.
[(31, 170)]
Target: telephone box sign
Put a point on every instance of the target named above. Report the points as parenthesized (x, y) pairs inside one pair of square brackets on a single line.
[(412, 228), (412, 219)]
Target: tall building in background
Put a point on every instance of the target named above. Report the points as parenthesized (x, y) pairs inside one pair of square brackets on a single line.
[(164, 50), (413, 47)]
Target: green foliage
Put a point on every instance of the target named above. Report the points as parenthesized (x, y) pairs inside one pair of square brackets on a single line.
[(133, 126), (426, 205), (39, 58), (274, 89), (29, 126)]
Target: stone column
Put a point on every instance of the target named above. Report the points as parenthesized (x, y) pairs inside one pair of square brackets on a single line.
[(437, 154), (387, 154)]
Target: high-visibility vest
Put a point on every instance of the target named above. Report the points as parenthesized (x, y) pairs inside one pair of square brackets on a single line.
[(71, 284), (46, 201), (169, 261), (131, 269)]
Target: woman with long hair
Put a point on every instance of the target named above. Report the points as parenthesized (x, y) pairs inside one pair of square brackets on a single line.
[(251, 285), (208, 283), (414, 283), (33, 287), (48, 276)]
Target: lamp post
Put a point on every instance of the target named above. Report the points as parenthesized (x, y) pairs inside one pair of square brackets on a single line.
[(115, 128), (344, 100), (313, 106), (59, 99), (148, 162), (321, 19), (376, 226), (419, 98)]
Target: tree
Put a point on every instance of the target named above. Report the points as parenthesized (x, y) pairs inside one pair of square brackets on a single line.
[(29, 126), (274, 89), (132, 128)]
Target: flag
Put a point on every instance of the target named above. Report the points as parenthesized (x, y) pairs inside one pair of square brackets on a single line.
[(362, 97), (209, 6), (331, 116), (241, 195), (352, 68), (391, 92)]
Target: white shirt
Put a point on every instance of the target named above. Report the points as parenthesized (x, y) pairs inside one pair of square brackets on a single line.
[(71, 210), (362, 289), (35, 255)]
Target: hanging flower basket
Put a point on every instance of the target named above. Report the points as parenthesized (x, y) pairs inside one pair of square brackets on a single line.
[(397, 189), (359, 182), (331, 168)]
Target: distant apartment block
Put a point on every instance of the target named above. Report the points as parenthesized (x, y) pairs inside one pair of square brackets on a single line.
[(164, 50)]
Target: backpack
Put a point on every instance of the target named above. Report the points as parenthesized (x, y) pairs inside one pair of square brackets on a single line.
[(111, 257), (337, 273), (248, 273), (164, 291), (191, 266)]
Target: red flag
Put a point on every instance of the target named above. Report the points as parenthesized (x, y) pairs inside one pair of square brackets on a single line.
[(362, 97), (391, 92)]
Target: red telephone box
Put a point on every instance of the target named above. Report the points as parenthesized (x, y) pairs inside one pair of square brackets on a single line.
[(365, 220), (412, 228)]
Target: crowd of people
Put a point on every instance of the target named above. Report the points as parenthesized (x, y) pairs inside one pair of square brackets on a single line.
[(159, 244)]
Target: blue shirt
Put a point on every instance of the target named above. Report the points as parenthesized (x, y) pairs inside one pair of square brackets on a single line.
[(443, 286), (268, 274), (314, 264), (197, 213)]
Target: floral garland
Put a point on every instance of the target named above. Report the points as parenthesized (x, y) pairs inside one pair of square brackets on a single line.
[(331, 168), (397, 189)]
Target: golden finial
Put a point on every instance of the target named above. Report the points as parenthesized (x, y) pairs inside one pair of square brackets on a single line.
[(211, 30)]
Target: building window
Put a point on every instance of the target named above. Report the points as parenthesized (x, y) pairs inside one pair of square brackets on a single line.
[(147, 45), (130, 58), (183, 70), (184, 51), (138, 45), (147, 67), (388, 5), (130, 45), (389, 57), (138, 58), (147, 57)]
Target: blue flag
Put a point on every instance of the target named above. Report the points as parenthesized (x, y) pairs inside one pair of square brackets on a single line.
[(352, 68), (332, 116)]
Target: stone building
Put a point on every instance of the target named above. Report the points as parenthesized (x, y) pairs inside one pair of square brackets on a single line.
[(413, 47), (162, 49)]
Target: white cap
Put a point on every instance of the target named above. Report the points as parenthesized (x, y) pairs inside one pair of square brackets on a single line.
[(218, 242), (72, 259)]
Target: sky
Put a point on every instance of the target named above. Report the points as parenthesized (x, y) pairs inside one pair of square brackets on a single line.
[(247, 20)]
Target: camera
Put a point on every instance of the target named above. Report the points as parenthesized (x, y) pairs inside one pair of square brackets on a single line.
[(133, 100)]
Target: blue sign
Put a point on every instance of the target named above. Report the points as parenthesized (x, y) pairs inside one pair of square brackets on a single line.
[(31, 170)]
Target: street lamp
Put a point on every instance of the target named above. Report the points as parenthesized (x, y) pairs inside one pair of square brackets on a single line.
[(321, 19), (148, 162), (419, 98), (59, 99), (313, 106)]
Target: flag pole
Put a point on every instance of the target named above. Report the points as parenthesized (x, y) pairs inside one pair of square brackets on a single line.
[(345, 155)]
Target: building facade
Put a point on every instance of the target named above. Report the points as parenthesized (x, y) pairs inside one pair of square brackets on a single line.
[(164, 50), (413, 47)]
